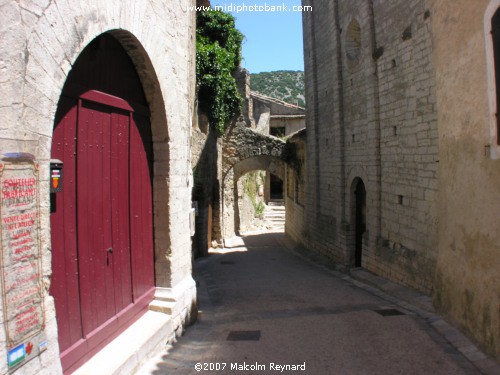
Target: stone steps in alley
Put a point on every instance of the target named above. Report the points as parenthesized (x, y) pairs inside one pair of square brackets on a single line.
[(274, 216)]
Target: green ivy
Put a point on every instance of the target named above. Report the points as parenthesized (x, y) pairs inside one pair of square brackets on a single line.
[(218, 55)]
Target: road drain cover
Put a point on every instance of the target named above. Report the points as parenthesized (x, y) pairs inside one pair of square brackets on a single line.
[(389, 312), (227, 262), (243, 336)]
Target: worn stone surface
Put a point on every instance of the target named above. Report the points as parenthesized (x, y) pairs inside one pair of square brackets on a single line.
[(206, 159), (295, 186), (401, 95), (303, 312), (372, 117), (467, 284), (40, 42)]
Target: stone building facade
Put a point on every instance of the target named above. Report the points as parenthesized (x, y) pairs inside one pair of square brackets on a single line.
[(467, 280), (55, 64), (401, 167), (276, 117), (370, 126)]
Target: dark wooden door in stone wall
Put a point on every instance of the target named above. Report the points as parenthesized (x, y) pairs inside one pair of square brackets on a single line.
[(101, 223)]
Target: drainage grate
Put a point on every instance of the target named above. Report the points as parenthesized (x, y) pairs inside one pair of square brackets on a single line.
[(227, 262), (243, 336), (389, 312)]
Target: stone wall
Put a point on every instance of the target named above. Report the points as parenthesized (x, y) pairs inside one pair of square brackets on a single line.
[(292, 124), (268, 112), (249, 200), (467, 285), (371, 116), (294, 195), (206, 159), (401, 95), (40, 43)]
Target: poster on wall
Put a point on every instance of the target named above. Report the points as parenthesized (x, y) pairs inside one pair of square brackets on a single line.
[(20, 257)]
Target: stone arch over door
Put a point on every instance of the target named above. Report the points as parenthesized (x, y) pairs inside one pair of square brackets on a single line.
[(102, 225)]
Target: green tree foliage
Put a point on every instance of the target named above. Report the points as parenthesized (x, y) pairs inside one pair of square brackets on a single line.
[(218, 55), (285, 85)]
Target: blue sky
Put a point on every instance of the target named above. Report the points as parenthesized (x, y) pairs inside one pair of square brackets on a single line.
[(273, 40)]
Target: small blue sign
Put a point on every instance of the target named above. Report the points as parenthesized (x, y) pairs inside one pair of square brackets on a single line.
[(16, 355)]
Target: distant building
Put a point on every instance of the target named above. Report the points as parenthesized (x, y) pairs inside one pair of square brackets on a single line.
[(276, 117), (279, 119)]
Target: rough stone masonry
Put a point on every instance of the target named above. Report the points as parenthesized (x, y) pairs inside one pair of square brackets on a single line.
[(41, 40)]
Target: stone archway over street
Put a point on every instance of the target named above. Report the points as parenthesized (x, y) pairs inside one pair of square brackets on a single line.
[(245, 150)]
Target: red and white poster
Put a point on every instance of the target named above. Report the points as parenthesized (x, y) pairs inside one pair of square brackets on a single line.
[(22, 295)]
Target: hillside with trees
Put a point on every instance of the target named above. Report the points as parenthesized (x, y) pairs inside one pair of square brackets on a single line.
[(285, 85)]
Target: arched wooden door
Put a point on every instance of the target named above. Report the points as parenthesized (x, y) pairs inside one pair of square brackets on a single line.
[(101, 222)]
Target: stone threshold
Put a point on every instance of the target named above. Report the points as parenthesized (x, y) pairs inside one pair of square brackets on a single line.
[(139, 342)]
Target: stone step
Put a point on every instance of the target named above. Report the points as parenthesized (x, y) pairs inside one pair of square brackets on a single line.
[(274, 212), (165, 307), (276, 204), (274, 218)]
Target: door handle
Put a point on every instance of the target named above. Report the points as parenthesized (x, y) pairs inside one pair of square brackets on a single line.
[(108, 251)]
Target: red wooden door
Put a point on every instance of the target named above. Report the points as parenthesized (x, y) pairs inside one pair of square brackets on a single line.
[(101, 223), (103, 213)]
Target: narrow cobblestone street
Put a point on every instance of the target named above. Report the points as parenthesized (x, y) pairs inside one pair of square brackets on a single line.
[(262, 307)]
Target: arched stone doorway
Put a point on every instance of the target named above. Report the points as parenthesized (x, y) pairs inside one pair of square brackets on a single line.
[(271, 164), (358, 196), (102, 222)]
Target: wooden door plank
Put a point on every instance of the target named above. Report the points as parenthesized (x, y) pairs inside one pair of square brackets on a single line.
[(141, 206), (65, 285), (120, 209)]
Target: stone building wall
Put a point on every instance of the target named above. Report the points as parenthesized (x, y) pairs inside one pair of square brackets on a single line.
[(372, 117), (467, 285), (294, 196), (267, 112), (401, 95), (206, 159), (40, 42), (291, 124)]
